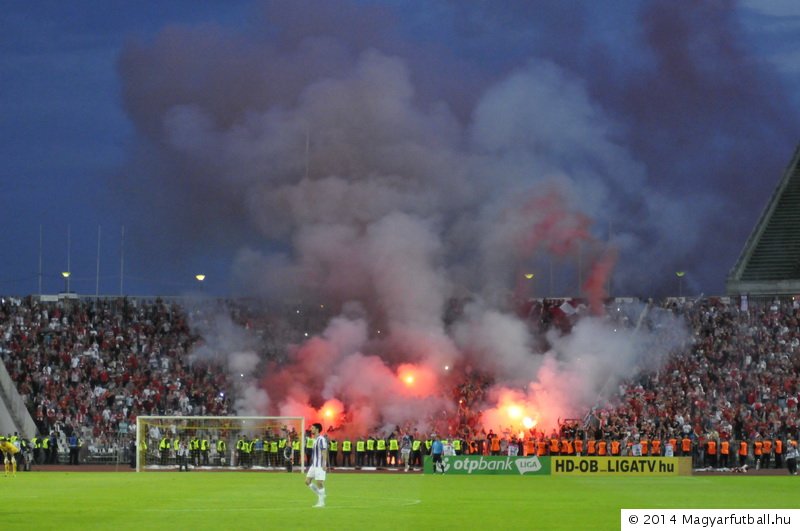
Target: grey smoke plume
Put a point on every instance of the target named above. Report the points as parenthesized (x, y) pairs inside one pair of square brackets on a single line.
[(344, 165), (228, 345)]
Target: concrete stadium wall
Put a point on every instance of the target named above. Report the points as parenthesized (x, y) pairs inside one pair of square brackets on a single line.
[(14, 416)]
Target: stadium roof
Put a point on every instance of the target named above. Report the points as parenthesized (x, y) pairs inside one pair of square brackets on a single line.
[(770, 261)]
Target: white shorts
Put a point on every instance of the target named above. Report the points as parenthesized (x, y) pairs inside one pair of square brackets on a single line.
[(316, 473)]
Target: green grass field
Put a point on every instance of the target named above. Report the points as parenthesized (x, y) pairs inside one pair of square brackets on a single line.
[(223, 501)]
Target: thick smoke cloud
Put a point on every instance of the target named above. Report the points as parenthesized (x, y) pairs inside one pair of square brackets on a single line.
[(349, 166), (234, 349)]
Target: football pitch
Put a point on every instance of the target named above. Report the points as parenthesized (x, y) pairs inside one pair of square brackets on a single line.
[(272, 500)]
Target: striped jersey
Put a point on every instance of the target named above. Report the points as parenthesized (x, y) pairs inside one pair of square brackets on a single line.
[(320, 445)]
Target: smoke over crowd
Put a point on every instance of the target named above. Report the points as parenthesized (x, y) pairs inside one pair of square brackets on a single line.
[(385, 176)]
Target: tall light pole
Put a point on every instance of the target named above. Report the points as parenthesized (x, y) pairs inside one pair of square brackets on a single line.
[(200, 278), (680, 275), (97, 272), (121, 259), (68, 272), (580, 269), (40, 259), (532, 291), (66, 275)]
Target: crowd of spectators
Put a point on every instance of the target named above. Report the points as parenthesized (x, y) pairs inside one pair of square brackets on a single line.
[(92, 366), (737, 380), (734, 378)]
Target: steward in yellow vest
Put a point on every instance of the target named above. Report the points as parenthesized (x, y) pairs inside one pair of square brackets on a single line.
[(416, 452), (274, 448), (458, 446), (371, 451), (361, 452), (380, 452), (163, 449), (394, 450), (347, 448), (333, 453), (222, 452)]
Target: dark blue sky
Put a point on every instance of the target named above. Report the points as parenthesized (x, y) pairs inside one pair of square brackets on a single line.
[(671, 121), (64, 133)]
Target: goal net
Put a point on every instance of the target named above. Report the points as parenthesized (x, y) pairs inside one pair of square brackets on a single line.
[(219, 443)]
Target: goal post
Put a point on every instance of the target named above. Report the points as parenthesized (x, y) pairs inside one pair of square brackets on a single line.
[(219, 443)]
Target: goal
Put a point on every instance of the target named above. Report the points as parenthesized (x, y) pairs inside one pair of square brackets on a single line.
[(219, 443)]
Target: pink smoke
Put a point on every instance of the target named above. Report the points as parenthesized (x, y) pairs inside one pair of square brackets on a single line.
[(595, 285)]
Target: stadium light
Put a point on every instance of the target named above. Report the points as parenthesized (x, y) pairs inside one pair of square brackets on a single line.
[(200, 277), (66, 275), (680, 275), (530, 277)]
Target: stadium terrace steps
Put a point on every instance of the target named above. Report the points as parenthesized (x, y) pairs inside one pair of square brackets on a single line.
[(770, 261)]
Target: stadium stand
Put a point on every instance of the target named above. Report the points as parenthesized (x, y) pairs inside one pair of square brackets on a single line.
[(738, 381), (770, 261), (91, 366)]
